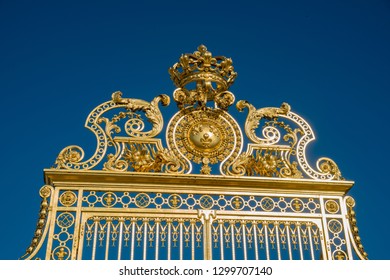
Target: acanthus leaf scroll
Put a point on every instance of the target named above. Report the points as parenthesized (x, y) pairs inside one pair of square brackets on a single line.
[(272, 155), (138, 151)]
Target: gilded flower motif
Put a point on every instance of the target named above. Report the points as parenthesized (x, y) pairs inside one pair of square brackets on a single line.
[(73, 156), (267, 164)]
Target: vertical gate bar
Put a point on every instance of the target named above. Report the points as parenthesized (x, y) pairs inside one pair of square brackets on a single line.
[(94, 240), (77, 228), (254, 224), (80, 248), (244, 240), (121, 220), (132, 238), (193, 240), (323, 245), (108, 223), (299, 239), (169, 240), (157, 238), (181, 239), (52, 212), (309, 226), (344, 214), (265, 226), (327, 253), (145, 238), (288, 240), (233, 241), (207, 240), (277, 240), (220, 222)]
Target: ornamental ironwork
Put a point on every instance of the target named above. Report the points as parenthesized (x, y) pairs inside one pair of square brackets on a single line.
[(199, 134), (203, 188)]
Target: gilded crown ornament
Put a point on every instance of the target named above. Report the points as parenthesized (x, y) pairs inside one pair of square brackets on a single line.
[(200, 77)]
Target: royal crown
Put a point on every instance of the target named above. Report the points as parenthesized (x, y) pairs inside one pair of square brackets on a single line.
[(202, 73)]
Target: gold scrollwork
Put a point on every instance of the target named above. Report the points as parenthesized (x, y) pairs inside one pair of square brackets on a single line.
[(151, 111), (253, 121), (200, 134), (126, 130), (72, 156), (271, 156)]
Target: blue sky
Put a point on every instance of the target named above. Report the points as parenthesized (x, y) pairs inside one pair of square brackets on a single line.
[(329, 60)]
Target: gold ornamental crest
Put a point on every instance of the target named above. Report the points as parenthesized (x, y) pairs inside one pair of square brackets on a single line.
[(204, 136), (190, 189), (201, 133)]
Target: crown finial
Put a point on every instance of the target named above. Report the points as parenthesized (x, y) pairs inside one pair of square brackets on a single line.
[(200, 77)]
